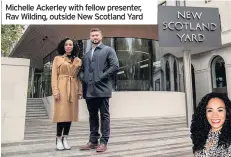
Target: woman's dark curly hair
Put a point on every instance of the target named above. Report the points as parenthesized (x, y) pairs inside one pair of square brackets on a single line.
[(61, 49), (200, 126)]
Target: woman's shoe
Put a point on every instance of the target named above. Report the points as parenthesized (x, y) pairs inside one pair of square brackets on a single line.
[(65, 144), (59, 143)]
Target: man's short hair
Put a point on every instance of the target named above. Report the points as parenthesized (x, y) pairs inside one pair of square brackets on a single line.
[(95, 30)]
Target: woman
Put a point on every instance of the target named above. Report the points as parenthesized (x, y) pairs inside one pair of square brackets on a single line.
[(211, 127), (66, 89)]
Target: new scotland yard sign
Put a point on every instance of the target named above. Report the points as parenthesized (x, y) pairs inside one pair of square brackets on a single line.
[(189, 27)]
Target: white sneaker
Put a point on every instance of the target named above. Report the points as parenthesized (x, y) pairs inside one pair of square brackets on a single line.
[(65, 144), (59, 143)]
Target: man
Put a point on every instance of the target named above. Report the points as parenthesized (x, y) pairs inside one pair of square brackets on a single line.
[(100, 63)]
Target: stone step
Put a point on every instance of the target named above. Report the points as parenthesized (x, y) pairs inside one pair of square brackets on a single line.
[(36, 114), (36, 106), (122, 134), (114, 148), (34, 103), (150, 137), (37, 127), (166, 126), (31, 103), (35, 109), (35, 99), (39, 117)]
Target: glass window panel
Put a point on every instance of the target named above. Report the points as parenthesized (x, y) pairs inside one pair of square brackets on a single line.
[(86, 46), (136, 56), (108, 42), (135, 60), (46, 79)]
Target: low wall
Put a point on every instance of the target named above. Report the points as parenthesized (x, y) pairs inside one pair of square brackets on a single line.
[(136, 105), (14, 82)]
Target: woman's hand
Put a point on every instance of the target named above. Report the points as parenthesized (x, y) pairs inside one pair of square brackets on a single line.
[(80, 96), (57, 96)]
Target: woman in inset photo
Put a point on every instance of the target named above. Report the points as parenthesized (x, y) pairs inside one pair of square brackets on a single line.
[(211, 127), (66, 89)]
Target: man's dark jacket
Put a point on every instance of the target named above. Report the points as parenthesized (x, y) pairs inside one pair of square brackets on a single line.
[(98, 72)]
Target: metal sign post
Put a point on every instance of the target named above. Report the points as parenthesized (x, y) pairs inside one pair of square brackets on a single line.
[(188, 85)]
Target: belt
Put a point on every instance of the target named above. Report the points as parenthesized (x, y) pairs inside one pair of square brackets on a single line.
[(70, 97)]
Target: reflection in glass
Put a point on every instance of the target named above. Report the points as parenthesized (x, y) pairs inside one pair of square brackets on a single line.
[(86, 46), (139, 61), (135, 62), (108, 42), (111, 42), (46, 78)]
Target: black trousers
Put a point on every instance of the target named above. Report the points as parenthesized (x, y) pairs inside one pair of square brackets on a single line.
[(63, 127), (95, 105)]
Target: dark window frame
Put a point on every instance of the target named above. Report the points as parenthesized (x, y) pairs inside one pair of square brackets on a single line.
[(207, 1), (177, 2), (164, 3)]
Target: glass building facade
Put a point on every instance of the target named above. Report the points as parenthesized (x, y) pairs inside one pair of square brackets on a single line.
[(140, 63)]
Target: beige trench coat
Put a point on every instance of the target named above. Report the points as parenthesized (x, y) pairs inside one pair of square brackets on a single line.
[(64, 81)]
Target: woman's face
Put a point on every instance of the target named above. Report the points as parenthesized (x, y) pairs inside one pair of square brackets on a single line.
[(216, 113), (68, 47)]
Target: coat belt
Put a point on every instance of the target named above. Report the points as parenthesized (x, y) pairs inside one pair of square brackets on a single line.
[(70, 96)]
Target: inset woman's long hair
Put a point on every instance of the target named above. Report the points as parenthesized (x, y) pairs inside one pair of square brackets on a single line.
[(200, 126)]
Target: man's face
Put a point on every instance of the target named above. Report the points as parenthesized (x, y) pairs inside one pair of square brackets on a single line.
[(96, 37)]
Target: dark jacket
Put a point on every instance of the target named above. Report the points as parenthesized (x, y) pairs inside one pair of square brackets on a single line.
[(98, 72)]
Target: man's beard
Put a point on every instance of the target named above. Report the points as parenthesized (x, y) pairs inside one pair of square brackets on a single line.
[(95, 42)]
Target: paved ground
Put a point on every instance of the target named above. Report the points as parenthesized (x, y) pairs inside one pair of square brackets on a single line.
[(147, 137)]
